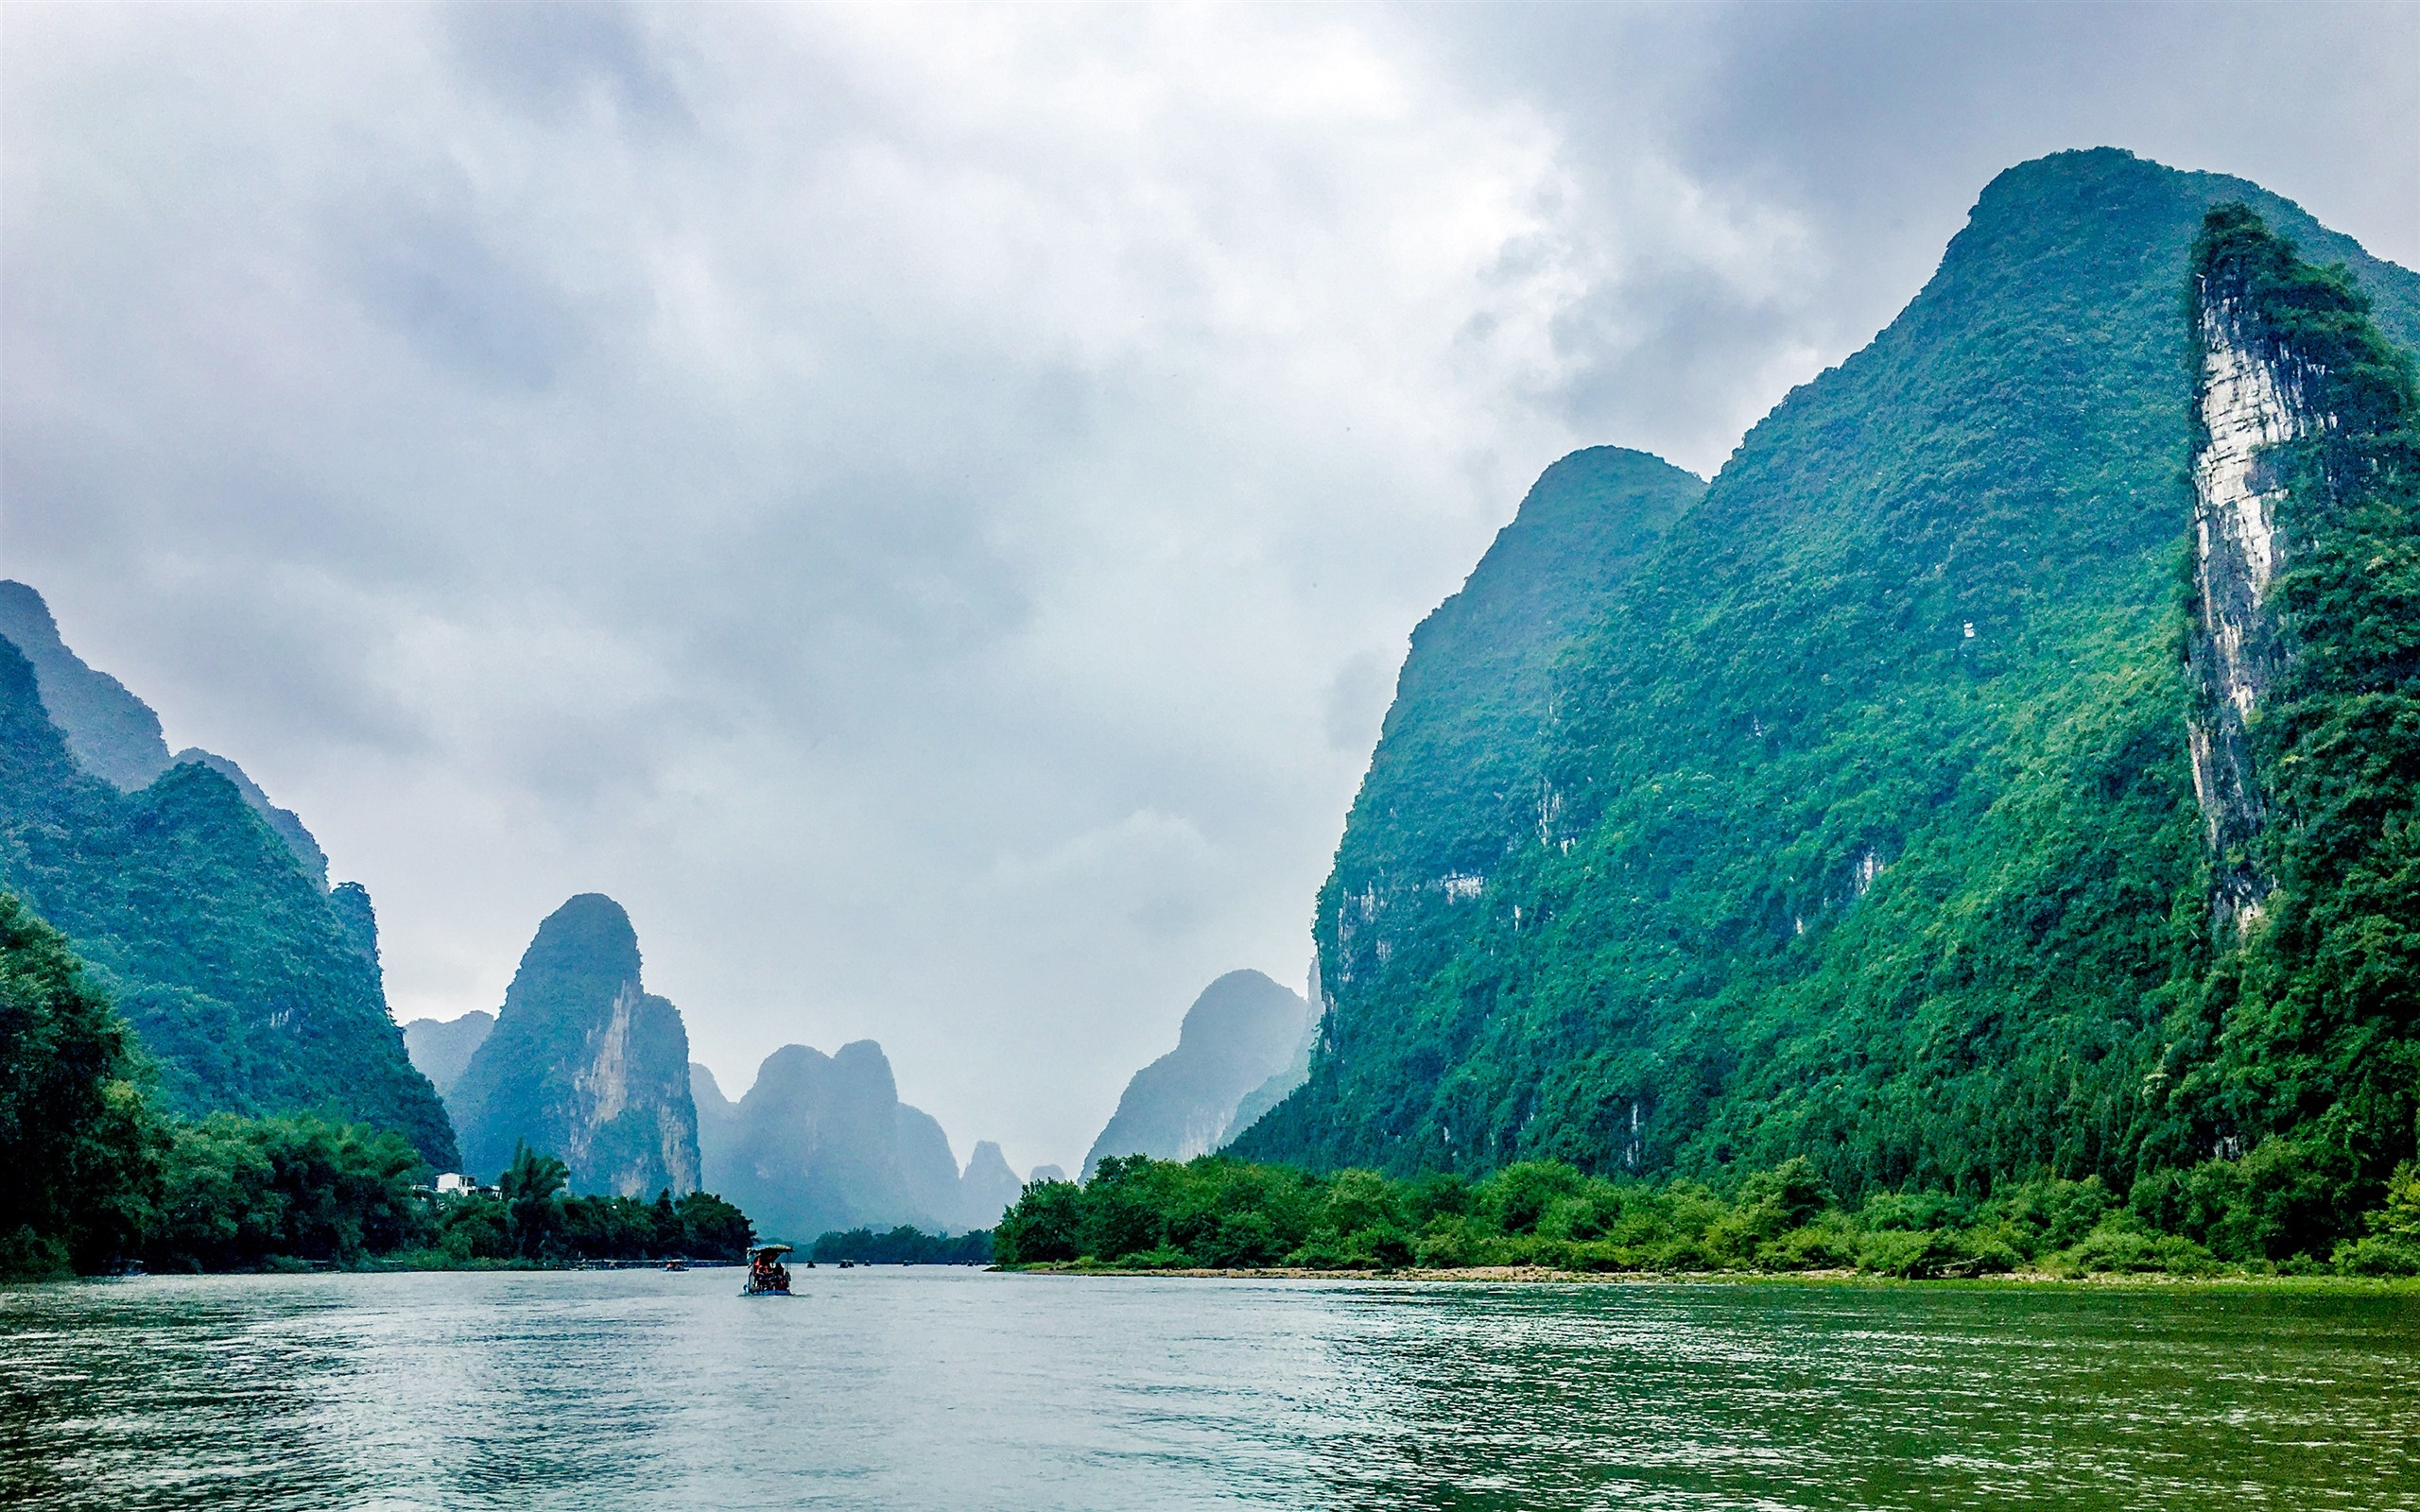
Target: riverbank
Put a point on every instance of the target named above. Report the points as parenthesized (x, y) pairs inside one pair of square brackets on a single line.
[(1539, 1274)]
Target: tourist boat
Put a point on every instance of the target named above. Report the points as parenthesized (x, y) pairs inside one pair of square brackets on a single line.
[(677, 1262), (767, 1275)]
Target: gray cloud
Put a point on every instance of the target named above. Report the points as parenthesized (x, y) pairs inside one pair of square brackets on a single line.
[(905, 500)]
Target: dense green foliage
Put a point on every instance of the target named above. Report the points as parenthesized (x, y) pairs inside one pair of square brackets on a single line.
[(244, 981), (1453, 783), (75, 1135), (1222, 1214), (904, 1246), (530, 1217), (1865, 829), (251, 1193), (240, 1192)]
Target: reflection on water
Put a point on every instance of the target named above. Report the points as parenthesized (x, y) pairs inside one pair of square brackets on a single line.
[(951, 1389)]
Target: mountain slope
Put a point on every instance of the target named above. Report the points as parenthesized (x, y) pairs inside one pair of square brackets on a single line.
[(254, 990), (1242, 1031), (1867, 824), (583, 1063)]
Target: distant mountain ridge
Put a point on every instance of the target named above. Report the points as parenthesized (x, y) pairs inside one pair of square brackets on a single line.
[(821, 1143), (1236, 1046), (583, 1063), (111, 733), (442, 1048)]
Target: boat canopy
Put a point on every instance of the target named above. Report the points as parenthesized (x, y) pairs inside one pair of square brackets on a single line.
[(768, 1249)]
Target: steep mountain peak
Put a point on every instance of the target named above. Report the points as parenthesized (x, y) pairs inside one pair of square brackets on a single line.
[(583, 1063), (987, 1186), (590, 938), (115, 735), (862, 1066), (253, 989), (821, 1143), (442, 1048)]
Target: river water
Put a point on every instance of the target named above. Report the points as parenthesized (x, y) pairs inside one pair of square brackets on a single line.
[(955, 1389)]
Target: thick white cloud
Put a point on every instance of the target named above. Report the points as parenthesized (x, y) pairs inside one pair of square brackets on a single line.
[(923, 505)]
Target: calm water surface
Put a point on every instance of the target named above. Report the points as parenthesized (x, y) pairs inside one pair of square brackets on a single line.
[(882, 1388)]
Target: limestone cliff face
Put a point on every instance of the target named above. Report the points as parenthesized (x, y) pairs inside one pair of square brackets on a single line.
[(583, 1063), (2250, 403)]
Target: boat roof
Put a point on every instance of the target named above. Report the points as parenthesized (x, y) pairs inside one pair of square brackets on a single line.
[(768, 1249)]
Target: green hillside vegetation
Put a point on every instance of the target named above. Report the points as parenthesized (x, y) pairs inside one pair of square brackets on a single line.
[(1219, 1213), (2312, 1021), (1454, 782), (1865, 833), (245, 984)]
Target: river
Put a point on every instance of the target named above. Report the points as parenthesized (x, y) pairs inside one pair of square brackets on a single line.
[(955, 1389)]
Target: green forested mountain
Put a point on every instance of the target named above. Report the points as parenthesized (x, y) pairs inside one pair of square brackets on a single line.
[(252, 987), (1865, 824), (113, 734), (583, 1063)]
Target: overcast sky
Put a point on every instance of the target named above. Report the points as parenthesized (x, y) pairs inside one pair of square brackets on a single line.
[(925, 505)]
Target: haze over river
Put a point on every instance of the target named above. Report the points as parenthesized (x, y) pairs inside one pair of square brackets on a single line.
[(953, 1389)]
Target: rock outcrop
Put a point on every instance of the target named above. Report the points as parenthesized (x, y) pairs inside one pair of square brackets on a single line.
[(1243, 1033), (2250, 403), (583, 1063)]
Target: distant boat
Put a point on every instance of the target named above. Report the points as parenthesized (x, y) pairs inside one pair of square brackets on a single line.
[(767, 1275), (676, 1262)]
